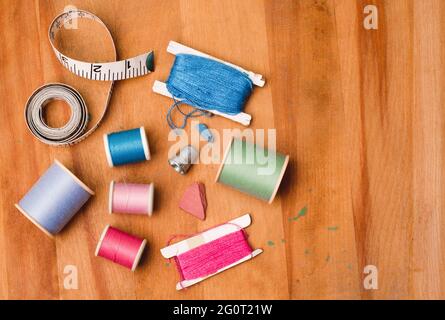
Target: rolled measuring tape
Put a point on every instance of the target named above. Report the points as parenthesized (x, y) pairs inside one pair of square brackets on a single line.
[(252, 169), (75, 130), (54, 199)]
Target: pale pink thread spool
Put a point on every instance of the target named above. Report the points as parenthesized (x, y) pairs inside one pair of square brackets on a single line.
[(131, 198)]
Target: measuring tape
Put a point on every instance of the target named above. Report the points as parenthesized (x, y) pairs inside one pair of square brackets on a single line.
[(74, 131)]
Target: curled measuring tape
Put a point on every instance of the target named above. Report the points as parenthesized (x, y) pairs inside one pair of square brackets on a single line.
[(74, 131)]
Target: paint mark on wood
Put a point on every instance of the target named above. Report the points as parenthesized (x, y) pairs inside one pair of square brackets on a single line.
[(333, 228), (300, 214), (270, 243)]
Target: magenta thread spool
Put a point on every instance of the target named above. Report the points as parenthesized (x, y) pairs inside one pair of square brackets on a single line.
[(120, 247), (132, 198)]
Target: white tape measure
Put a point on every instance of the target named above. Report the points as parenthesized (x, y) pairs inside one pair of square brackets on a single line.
[(74, 130)]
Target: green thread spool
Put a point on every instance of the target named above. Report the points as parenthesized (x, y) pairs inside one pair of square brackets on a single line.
[(252, 169)]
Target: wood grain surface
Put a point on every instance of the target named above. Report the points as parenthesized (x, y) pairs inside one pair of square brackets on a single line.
[(361, 114)]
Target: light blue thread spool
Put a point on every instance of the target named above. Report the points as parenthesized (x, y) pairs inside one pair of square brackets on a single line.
[(54, 199), (125, 147)]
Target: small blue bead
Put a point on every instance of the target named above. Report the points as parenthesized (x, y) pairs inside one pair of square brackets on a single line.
[(205, 132)]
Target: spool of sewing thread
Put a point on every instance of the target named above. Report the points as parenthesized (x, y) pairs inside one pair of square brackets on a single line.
[(120, 247), (207, 84), (253, 170), (131, 198), (183, 161), (125, 147), (54, 199)]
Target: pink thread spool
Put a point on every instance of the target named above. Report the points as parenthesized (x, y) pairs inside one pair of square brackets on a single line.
[(120, 247), (132, 198)]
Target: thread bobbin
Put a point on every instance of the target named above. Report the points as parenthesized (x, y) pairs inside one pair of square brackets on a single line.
[(149, 199), (178, 49), (139, 252), (128, 151), (241, 175), (205, 238), (43, 204)]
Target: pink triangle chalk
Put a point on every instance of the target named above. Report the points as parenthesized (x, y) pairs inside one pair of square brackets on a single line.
[(194, 200)]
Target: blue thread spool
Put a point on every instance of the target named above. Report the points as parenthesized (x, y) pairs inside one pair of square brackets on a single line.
[(54, 199), (125, 147)]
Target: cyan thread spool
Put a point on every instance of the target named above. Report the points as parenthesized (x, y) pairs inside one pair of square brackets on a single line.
[(252, 169), (184, 160), (54, 199), (127, 146)]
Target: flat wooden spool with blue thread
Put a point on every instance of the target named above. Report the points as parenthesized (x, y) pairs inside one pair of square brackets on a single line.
[(237, 171)]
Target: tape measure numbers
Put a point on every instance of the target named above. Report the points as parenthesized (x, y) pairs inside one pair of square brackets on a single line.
[(74, 131), (108, 71)]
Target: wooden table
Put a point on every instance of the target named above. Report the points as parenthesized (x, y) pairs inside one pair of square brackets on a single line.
[(361, 114)]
